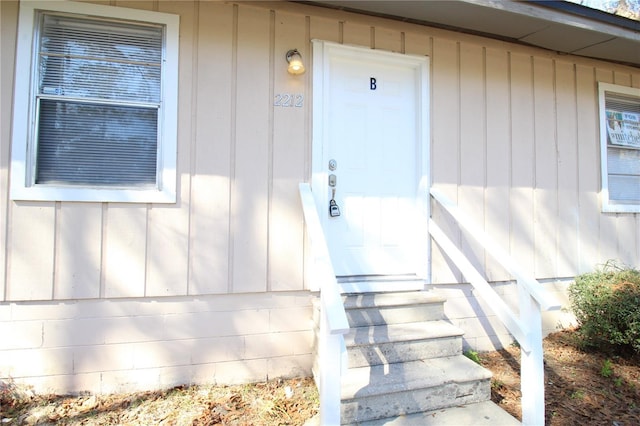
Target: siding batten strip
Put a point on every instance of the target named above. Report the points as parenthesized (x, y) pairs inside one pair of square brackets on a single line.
[(485, 136), (103, 249), (372, 35), (270, 149), (556, 188), (56, 248), (191, 252), (146, 250), (308, 93), (234, 138)]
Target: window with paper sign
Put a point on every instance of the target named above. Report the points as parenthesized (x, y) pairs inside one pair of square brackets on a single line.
[(620, 139)]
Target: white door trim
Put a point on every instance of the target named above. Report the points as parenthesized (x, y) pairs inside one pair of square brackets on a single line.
[(322, 52)]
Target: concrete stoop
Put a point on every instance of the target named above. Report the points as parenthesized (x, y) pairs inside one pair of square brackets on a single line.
[(484, 413), (390, 390), (406, 365), (479, 414)]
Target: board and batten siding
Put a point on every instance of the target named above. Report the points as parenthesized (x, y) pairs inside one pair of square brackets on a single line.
[(514, 141), (515, 144), (237, 227)]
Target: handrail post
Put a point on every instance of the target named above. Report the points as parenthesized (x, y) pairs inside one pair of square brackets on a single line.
[(532, 362), (330, 378), (333, 323)]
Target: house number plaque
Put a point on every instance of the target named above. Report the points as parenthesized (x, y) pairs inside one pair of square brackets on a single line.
[(288, 100)]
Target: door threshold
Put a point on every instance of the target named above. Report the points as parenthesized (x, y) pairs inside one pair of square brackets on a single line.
[(379, 283)]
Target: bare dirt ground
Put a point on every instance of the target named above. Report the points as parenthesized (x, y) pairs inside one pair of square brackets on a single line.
[(582, 388), (278, 402)]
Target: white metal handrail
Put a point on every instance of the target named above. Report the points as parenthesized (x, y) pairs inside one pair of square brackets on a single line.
[(532, 297), (333, 318), (547, 303)]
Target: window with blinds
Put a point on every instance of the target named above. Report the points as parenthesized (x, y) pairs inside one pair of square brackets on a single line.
[(620, 128), (98, 100), (95, 110)]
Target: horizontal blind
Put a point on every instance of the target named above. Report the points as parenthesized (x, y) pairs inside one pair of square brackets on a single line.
[(623, 161), (99, 93), (620, 102), (624, 189), (101, 60), (88, 144)]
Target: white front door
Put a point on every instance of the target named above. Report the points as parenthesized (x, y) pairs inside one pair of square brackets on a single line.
[(371, 157)]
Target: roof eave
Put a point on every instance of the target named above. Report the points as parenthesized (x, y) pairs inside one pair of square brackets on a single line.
[(555, 25)]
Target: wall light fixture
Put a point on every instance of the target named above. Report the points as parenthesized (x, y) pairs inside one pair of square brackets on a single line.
[(294, 58)]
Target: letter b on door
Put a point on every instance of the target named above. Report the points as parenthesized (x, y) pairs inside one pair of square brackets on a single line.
[(373, 84)]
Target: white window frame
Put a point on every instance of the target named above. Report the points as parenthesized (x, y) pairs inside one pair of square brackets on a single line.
[(609, 205), (23, 186)]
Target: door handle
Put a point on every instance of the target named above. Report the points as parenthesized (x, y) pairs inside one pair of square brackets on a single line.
[(334, 210)]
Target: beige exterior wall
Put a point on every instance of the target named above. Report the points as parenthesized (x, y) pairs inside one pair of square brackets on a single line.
[(237, 225), (514, 141)]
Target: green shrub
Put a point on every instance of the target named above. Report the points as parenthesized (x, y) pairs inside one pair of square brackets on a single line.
[(606, 304)]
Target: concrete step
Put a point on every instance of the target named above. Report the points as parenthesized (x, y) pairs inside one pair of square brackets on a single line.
[(380, 284), (479, 414), (399, 298), (388, 344), (393, 308), (391, 390)]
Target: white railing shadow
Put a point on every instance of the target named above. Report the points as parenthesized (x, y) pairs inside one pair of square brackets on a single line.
[(332, 358), (526, 327)]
